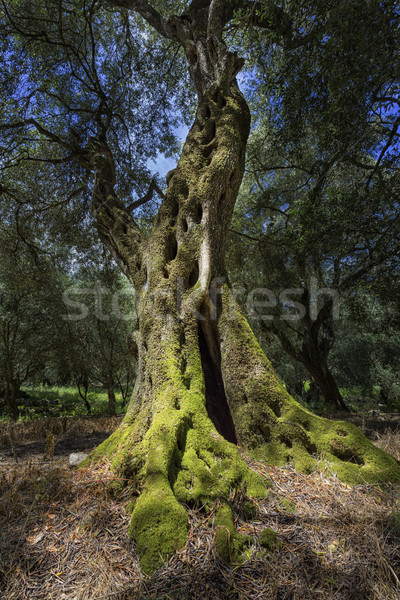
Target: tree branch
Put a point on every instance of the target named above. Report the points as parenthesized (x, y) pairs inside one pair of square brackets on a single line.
[(324, 314), (116, 227), (284, 340), (153, 187), (217, 18), (396, 125), (149, 14), (49, 134), (266, 17), (249, 237)]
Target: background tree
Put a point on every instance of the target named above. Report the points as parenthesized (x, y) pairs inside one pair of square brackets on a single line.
[(30, 299), (366, 355), (99, 320), (322, 177), (39, 340), (354, 237)]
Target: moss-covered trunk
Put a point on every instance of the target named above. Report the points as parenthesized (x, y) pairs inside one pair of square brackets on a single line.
[(204, 388), (179, 439)]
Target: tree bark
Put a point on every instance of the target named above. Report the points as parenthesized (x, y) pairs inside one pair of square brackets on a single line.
[(327, 386), (317, 343), (314, 394), (11, 399), (204, 389), (111, 399), (84, 382)]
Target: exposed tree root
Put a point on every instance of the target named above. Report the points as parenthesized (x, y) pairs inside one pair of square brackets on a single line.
[(176, 455), (276, 428)]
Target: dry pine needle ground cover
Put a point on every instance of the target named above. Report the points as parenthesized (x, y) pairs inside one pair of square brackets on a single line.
[(63, 536)]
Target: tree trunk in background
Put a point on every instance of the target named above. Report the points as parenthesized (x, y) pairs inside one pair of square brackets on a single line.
[(204, 389), (84, 382), (111, 398), (11, 399), (317, 344), (314, 395), (317, 339), (328, 388)]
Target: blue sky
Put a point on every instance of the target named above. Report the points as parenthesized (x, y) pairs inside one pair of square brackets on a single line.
[(162, 164)]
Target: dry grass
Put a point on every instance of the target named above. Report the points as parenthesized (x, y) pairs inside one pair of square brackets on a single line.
[(59, 426), (64, 537), (390, 442)]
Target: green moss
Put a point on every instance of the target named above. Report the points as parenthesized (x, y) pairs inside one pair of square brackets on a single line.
[(286, 505), (269, 540), (273, 427), (130, 506), (230, 544), (249, 510), (159, 524), (171, 449), (213, 471), (323, 445), (180, 458)]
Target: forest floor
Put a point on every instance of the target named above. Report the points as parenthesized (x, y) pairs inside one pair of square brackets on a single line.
[(63, 533)]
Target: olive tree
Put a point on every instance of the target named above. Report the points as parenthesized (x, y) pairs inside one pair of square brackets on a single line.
[(205, 391)]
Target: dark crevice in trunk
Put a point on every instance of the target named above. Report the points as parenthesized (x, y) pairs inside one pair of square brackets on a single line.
[(208, 150), (209, 133), (216, 402), (198, 215), (194, 276), (181, 440), (175, 211), (219, 99), (171, 249)]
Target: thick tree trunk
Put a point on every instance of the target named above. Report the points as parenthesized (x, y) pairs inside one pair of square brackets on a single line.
[(317, 340), (314, 360), (204, 389)]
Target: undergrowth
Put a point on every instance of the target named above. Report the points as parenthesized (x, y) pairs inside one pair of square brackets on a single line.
[(61, 401), (64, 534)]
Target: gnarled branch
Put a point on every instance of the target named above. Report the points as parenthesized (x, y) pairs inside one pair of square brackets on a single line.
[(149, 14), (153, 187)]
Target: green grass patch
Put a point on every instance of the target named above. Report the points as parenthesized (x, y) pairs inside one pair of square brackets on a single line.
[(63, 401)]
